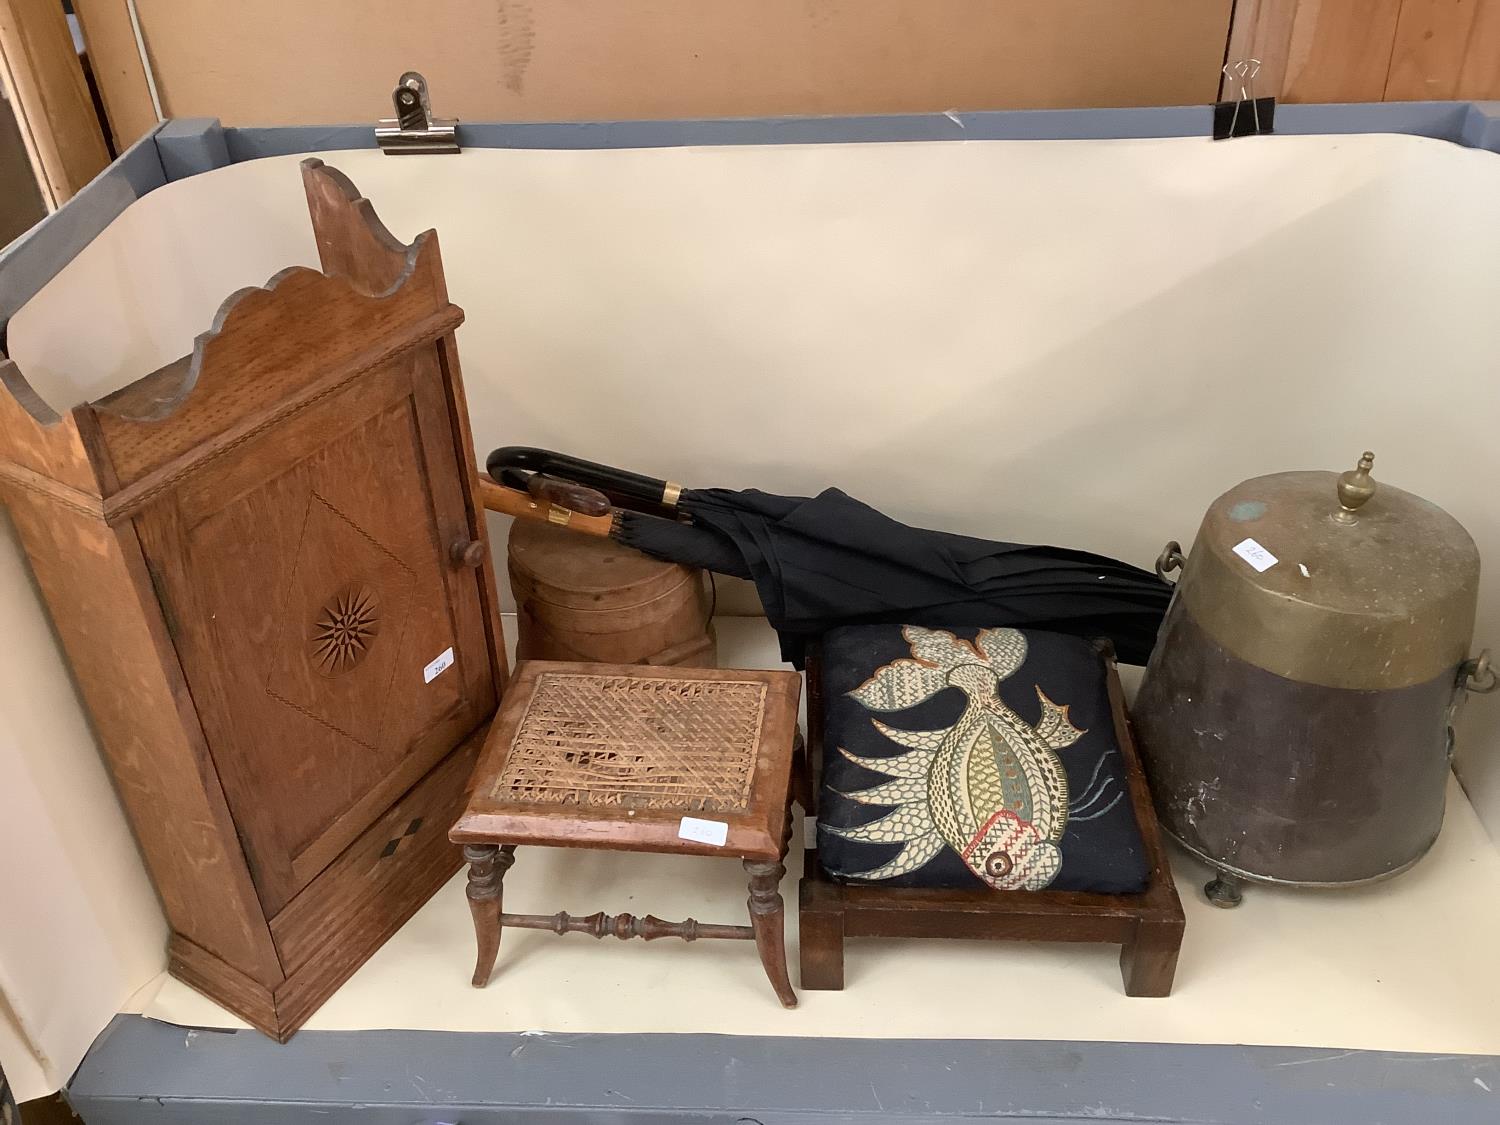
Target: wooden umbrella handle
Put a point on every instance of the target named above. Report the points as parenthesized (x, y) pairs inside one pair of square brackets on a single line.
[(513, 502), (565, 494)]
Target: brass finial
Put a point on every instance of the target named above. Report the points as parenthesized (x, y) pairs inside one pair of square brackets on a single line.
[(1355, 488)]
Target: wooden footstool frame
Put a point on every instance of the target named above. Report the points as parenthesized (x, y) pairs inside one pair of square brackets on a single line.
[(612, 758), (1147, 926)]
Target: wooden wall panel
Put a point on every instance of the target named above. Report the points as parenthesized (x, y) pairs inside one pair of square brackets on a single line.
[(1341, 50), (1479, 77), (1262, 30), (288, 61), (581, 59), (53, 107), (118, 70), (1432, 38), (1371, 50)]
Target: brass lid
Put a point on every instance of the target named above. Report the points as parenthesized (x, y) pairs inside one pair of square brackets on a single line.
[(1334, 579)]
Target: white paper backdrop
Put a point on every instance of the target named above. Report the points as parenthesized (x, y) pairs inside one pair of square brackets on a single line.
[(1082, 342)]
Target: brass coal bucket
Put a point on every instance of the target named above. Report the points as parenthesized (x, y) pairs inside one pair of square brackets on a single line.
[(1296, 715)]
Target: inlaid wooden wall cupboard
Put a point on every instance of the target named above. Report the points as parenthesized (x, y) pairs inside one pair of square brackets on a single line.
[(270, 572)]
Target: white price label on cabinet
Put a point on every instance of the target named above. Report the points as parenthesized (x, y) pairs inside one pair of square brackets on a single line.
[(440, 664), (714, 832), (1256, 555)]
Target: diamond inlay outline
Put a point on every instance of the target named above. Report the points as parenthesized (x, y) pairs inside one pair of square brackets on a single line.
[(307, 674)]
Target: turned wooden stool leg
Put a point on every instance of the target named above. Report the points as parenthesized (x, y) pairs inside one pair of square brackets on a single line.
[(488, 864), (768, 919)]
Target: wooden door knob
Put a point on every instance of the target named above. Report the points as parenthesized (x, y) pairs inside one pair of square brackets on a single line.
[(467, 552)]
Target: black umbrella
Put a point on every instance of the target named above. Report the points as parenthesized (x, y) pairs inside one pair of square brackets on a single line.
[(832, 560)]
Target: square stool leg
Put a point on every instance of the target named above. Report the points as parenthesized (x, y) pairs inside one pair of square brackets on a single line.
[(821, 933), (1148, 961), (488, 864)]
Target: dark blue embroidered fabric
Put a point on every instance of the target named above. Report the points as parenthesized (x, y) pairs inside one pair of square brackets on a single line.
[(972, 794)]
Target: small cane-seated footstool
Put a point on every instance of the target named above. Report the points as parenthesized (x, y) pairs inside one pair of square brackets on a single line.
[(616, 757)]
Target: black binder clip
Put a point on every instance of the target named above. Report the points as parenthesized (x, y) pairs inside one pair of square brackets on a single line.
[(1246, 115)]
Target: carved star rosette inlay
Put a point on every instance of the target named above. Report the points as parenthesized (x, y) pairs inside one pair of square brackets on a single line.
[(344, 629)]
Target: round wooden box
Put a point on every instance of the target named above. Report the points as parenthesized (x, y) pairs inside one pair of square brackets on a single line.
[(582, 598)]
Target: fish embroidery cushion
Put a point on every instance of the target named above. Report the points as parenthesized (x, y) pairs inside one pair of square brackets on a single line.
[(970, 758)]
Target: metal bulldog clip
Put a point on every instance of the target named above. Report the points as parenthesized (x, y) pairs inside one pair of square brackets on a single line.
[(414, 129)]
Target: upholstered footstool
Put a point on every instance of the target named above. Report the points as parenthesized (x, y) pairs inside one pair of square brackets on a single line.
[(979, 783), (634, 758)]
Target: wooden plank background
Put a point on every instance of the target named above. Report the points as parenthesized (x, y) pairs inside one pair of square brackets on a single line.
[(54, 112), (291, 62), (288, 61), (119, 72), (1371, 50)]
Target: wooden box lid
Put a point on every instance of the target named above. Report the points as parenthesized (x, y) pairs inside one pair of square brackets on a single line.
[(583, 572)]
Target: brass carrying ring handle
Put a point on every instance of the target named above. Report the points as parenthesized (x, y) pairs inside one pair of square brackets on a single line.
[(1478, 676), (1170, 559)]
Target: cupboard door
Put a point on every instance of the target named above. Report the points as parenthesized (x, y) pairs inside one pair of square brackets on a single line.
[(335, 649)]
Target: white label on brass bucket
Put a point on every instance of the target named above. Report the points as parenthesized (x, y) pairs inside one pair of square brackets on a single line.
[(440, 664), (1256, 555), (714, 832)]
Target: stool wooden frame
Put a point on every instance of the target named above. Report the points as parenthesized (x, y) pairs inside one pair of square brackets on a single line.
[(1147, 926), (629, 793)]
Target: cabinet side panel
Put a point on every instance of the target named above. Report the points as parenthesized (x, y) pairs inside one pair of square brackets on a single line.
[(99, 595), (36, 443), (458, 406)]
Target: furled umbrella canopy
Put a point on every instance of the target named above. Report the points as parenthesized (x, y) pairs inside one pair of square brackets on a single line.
[(832, 560)]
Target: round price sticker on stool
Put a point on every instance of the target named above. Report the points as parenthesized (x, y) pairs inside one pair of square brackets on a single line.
[(714, 832)]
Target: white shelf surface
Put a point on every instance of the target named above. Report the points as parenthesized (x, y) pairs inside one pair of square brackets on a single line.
[(1401, 966)]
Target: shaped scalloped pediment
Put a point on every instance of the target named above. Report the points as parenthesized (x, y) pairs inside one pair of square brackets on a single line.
[(375, 296), (352, 241), (246, 321), (302, 330)]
